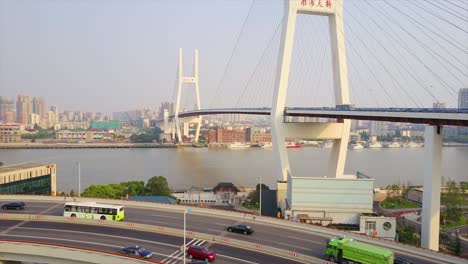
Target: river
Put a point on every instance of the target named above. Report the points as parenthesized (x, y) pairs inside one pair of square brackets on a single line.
[(203, 167)]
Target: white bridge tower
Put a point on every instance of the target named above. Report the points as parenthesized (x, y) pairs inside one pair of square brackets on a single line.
[(190, 80), (339, 131)]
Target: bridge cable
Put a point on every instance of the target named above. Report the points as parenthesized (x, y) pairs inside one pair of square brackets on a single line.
[(450, 11), (443, 19), (406, 47), (450, 38), (258, 63), (425, 46), (428, 48), (406, 69), (303, 68), (451, 42), (371, 69), (380, 61), (258, 76), (265, 24), (452, 2), (232, 53)]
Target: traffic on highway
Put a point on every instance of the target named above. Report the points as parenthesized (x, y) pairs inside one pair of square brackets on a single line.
[(166, 248)]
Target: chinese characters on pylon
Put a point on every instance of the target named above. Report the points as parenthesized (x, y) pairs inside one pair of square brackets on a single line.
[(318, 3)]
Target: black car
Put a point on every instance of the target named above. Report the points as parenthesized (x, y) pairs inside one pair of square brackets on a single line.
[(400, 260), (14, 205), (137, 251), (243, 229), (198, 262)]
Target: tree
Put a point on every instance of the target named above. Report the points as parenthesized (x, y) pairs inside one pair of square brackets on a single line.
[(114, 191), (453, 200), (133, 188), (158, 185), (408, 235)]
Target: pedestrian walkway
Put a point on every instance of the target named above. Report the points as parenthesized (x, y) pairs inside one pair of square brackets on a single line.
[(177, 256)]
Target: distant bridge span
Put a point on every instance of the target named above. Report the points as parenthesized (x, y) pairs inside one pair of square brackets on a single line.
[(431, 116)]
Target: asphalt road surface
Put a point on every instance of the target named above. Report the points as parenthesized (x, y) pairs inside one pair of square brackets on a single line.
[(111, 239)]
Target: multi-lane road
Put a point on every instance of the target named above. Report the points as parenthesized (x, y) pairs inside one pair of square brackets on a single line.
[(166, 248)]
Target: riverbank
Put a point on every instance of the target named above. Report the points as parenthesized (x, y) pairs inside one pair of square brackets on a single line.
[(82, 145)]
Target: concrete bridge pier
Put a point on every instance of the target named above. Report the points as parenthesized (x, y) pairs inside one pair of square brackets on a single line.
[(430, 227)]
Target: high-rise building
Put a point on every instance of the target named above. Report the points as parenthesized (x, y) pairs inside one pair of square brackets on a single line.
[(7, 109), (166, 105), (39, 106), (55, 116), (24, 109), (463, 98), (463, 103), (377, 128)]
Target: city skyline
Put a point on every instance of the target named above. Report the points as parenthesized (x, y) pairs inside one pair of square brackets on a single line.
[(94, 57)]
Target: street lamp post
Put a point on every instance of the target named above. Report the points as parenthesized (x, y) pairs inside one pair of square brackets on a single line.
[(260, 179), (189, 209), (79, 179)]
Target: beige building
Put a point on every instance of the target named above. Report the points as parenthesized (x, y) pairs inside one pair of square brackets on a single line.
[(11, 133), (28, 178)]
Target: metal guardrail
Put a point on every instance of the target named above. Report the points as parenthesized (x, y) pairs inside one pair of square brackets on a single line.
[(317, 230), (290, 255), (41, 252)]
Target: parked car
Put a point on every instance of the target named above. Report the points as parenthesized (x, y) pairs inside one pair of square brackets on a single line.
[(14, 205), (199, 252), (243, 229), (400, 260), (137, 251), (198, 262)]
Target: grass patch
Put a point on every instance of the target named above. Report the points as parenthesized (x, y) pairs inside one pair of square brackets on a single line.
[(397, 203), (251, 206), (450, 224)]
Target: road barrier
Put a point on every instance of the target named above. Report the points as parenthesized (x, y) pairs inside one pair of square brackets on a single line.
[(41, 252), (170, 231), (281, 223)]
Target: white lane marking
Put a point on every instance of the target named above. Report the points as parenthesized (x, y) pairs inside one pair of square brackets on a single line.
[(178, 254), (306, 240), (24, 222), (77, 241), (96, 234), (221, 224)]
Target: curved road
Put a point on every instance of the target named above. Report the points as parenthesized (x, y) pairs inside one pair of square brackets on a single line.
[(112, 239)]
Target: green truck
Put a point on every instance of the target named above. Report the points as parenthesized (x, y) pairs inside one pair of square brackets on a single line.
[(347, 250)]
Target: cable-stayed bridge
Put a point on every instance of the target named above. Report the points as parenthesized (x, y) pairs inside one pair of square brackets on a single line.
[(430, 61)]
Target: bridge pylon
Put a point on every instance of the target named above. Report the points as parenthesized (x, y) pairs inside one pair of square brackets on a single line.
[(339, 131), (181, 79)]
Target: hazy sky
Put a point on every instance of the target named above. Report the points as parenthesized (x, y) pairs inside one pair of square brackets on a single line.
[(114, 55)]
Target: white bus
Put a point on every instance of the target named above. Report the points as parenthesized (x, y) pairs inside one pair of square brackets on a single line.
[(93, 210)]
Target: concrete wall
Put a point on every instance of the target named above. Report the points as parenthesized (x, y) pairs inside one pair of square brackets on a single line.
[(385, 227), (343, 199)]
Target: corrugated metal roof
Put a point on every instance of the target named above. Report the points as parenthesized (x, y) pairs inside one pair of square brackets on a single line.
[(155, 199)]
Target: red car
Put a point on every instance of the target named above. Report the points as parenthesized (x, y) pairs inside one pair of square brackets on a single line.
[(199, 252)]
